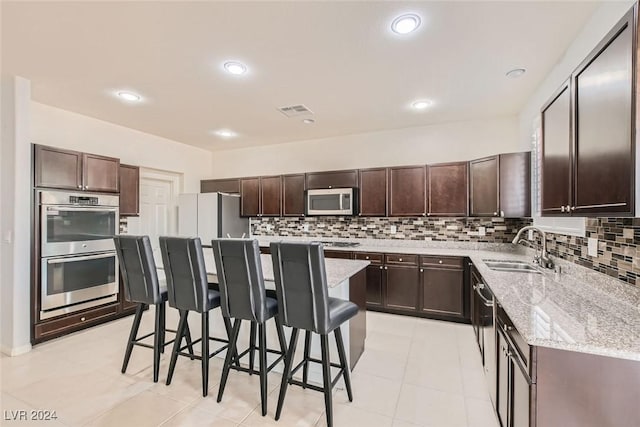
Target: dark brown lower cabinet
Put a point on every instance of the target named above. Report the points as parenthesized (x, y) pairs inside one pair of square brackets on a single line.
[(402, 287), (442, 290), (514, 386), (375, 286)]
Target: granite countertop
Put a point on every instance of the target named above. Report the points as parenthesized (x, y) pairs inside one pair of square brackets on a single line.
[(577, 310), (338, 270)]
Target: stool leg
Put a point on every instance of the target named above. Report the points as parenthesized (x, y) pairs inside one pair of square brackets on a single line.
[(177, 343), (227, 326), (343, 361), (281, 339), (205, 353), (286, 374), (252, 346), (262, 345), (307, 350), (163, 324), (231, 351), (187, 334), (157, 341), (326, 375), (132, 336)]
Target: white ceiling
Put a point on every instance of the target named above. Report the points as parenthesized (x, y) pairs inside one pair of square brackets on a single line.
[(340, 59)]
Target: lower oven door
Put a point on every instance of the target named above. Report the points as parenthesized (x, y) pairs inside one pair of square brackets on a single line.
[(71, 281)]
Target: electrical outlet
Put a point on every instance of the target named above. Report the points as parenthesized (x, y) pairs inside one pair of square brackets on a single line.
[(393, 229), (530, 235), (363, 228), (592, 247), (269, 227), (305, 227), (482, 231)]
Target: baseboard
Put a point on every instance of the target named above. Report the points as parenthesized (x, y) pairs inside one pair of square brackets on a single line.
[(16, 351)]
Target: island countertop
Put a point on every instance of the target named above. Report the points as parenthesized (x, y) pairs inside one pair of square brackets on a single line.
[(338, 270)]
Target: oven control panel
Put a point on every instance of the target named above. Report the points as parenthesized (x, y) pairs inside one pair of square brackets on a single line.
[(83, 200)]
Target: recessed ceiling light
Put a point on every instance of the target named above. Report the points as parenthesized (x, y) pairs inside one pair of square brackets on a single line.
[(406, 23), (129, 96), (422, 104), (308, 121), (235, 67), (515, 73), (225, 133)]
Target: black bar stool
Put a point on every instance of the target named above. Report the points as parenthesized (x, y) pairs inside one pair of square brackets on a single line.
[(189, 291), (243, 297), (304, 303), (141, 286)]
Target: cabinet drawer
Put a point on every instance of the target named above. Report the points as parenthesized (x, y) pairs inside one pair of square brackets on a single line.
[(523, 349), (374, 258), (338, 254), (401, 259), (75, 321), (452, 262)]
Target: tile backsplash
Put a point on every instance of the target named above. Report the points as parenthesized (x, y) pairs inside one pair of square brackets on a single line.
[(618, 247), (496, 230)]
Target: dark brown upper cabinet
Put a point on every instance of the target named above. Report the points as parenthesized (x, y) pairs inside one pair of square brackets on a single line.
[(66, 169), (221, 185), (332, 179), (501, 185), (250, 196), (261, 196), (605, 125), (271, 195), (484, 183), (100, 173), (129, 190), (293, 195), (57, 168), (407, 191), (515, 184), (448, 189), (556, 152), (373, 192)]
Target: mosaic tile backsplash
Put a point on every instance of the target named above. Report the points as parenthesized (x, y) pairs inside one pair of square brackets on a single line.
[(618, 247), (618, 238), (496, 230)]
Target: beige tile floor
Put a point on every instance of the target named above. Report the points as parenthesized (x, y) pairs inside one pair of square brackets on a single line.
[(414, 372)]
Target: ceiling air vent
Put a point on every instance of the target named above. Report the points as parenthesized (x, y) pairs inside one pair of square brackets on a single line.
[(295, 110)]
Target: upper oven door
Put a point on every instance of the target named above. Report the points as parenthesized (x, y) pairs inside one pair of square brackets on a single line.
[(330, 201), (69, 230)]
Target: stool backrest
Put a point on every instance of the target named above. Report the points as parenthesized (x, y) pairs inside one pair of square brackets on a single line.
[(301, 285), (239, 271), (138, 268), (187, 284)]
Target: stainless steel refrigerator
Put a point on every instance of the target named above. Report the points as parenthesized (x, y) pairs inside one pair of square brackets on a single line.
[(210, 216)]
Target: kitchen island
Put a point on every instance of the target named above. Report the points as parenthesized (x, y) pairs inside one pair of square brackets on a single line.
[(345, 279)]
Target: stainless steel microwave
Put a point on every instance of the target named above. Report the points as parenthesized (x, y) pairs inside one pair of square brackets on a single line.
[(332, 201)]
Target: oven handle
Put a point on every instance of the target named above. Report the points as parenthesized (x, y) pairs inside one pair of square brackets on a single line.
[(58, 208), (80, 258)]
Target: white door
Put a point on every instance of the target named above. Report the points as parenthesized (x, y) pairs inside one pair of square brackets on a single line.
[(158, 209)]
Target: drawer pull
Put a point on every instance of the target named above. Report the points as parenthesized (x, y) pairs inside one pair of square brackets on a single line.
[(82, 319), (366, 257), (400, 259), (380, 267), (385, 268), (439, 261)]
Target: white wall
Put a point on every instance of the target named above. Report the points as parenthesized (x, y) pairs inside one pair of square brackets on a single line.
[(61, 128), (15, 204), (425, 144)]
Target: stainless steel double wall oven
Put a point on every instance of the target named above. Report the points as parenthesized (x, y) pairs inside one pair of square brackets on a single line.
[(77, 254)]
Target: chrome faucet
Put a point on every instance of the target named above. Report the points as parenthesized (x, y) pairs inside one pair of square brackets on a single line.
[(542, 259)]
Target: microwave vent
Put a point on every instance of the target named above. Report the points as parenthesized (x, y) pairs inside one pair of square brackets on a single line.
[(295, 110)]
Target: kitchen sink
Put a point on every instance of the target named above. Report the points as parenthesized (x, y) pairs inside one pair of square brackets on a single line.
[(511, 266)]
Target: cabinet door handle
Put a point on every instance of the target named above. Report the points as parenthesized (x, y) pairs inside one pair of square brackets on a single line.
[(568, 208), (385, 268), (573, 208), (495, 214), (502, 214), (80, 187), (422, 270), (561, 208), (380, 267)]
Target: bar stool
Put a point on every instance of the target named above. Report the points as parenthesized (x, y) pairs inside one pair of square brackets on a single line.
[(188, 290), (243, 297), (141, 286), (304, 303)]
